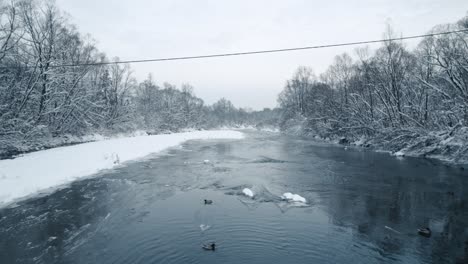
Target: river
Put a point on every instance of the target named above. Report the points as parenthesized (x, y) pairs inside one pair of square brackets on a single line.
[(362, 207)]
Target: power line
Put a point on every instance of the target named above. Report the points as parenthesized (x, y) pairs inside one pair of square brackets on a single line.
[(256, 52)]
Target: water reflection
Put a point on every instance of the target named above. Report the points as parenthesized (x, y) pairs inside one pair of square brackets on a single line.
[(403, 195)]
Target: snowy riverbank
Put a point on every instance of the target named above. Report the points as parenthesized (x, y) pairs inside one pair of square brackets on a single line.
[(450, 146), (14, 146), (38, 171)]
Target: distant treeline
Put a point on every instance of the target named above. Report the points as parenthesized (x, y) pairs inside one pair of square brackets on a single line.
[(388, 91), (40, 98)]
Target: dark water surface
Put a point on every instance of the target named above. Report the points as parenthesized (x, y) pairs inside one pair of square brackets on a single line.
[(363, 207)]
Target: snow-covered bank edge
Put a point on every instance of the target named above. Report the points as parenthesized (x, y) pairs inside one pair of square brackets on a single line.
[(13, 147), (270, 129), (450, 147), (41, 170)]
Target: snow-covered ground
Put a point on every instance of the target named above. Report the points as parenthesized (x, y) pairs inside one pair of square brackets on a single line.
[(38, 171), (271, 129), (449, 145)]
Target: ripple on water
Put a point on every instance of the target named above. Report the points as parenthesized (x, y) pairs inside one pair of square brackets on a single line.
[(235, 231), (265, 159), (248, 236)]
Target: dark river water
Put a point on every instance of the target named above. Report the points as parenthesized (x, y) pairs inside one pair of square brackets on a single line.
[(362, 207)]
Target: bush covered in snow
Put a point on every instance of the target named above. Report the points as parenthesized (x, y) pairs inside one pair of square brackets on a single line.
[(409, 102)]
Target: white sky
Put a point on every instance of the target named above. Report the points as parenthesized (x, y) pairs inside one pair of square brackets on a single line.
[(141, 29)]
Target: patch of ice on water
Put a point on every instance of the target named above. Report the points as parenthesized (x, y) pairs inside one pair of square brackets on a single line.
[(204, 227), (248, 192), (399, 154), (393, 230), (107, 216), (293, 197)]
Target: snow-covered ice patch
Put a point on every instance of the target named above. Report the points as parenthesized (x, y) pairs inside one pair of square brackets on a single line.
[(203, 227), (248, 192), (42, 170), (293, 197), (399, 154)]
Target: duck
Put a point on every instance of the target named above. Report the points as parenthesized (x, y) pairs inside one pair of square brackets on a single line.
[(208, 201), (425, 231), (210, 246)]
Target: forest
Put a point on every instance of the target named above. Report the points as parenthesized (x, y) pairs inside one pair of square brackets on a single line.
[(52, 93), (412, 101), (56, 88)]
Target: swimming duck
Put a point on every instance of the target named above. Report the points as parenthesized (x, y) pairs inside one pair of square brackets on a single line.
[(208, 201), (210, 246), (425, 231)]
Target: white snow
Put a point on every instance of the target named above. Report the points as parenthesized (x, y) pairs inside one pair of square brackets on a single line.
[(293, 197), (391, 229), (269, 129), (399, 154), (38, 171), (107, 216), (251, 127), (248, 192), (206, 161), (360, 142), (447, 140), (203, 227)]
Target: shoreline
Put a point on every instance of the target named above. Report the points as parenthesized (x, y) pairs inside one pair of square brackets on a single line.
[(44, 170), (431, 146)]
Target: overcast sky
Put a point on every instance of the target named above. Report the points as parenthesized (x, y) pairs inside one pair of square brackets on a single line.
[(141, 29)]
